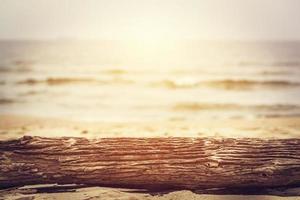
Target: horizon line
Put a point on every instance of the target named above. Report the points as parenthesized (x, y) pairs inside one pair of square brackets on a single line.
[(67, 39)]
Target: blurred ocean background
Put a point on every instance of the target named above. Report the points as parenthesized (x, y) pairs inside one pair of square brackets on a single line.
[(118, 81)]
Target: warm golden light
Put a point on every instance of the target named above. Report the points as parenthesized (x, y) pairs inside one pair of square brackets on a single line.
[(198, 95)]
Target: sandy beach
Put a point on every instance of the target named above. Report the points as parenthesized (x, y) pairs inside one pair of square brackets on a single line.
[(99, 193), (12, 126)]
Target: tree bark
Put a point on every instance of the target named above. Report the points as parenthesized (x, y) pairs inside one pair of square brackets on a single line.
[(151, 163)]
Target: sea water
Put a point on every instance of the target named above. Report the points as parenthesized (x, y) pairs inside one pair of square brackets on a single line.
[(120, 81)]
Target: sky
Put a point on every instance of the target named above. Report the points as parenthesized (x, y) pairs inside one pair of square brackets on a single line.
[(150, 19)]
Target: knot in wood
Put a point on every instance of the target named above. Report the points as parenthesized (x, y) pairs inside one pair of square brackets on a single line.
[(212, 164)]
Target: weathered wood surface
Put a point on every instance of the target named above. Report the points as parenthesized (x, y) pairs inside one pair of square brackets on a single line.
[(151, 163)]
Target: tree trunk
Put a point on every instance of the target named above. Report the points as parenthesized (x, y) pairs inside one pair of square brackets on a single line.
[(151, 163)]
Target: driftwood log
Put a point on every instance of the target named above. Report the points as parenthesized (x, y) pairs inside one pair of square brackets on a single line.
[(151, 163)]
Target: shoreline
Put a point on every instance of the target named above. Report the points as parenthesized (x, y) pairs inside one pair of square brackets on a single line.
[(15, 126)]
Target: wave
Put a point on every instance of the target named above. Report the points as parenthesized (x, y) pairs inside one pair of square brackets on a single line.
[(273, 64), (7, 101), (31, 93), (275, 72), (227, 84), (280, 115), (68, 81), (286, 63), (235, 71), (18, 69), (55, 81), (194, 106), (4, 69), (250, 84), (116, 71)]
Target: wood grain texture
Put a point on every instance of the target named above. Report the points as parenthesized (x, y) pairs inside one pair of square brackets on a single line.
[(151, 163)]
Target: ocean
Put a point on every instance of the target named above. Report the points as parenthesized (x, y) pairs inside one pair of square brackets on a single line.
[(117, 81)]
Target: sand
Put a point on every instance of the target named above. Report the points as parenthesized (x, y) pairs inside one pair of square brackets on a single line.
[(102, 193), (17, 126), (12, 126)]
